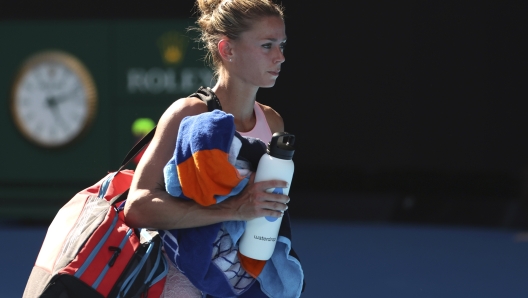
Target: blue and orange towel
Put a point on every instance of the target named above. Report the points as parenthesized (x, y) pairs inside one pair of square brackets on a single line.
[(212, 162)]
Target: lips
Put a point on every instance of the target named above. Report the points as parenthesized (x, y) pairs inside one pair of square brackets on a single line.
[(275, 73)]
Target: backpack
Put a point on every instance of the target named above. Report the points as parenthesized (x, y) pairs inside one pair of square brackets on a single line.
[(89, 251)]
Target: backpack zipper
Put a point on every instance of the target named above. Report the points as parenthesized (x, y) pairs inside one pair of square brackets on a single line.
[(116, 250)]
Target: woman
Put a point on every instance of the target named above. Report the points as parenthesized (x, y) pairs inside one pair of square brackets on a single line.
[(245, 41)]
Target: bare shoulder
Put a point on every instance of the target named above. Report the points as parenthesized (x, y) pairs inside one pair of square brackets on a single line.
[(181, 108), (275, 121)]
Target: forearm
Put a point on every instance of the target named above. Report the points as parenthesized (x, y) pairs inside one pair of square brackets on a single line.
[(159, 210)]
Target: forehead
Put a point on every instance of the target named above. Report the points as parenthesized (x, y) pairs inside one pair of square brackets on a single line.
[(271, 28)]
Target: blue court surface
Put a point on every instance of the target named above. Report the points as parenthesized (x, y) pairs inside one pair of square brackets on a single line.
[(343, 259)]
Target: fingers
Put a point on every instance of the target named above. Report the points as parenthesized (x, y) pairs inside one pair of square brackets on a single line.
[(254, 200), (279, 207), (264, 185), (263, 190), (274, 209), (270, 198), (272, 213), (271, 208)]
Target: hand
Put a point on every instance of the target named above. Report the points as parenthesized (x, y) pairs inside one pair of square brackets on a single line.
[(255, 202)]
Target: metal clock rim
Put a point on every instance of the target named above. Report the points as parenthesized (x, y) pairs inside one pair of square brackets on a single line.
[(77, 67)]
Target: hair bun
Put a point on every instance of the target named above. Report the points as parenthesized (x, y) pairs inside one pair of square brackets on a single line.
[(206, 7)]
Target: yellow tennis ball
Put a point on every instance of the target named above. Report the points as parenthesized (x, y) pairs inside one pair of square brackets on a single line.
[(142, 126)]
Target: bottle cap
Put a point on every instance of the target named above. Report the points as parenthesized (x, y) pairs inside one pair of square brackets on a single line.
[(281, 145)]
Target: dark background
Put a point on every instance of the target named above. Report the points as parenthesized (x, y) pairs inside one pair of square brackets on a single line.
[(407, 111)]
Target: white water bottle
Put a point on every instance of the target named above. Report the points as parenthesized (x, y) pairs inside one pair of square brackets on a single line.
[(260, 236)]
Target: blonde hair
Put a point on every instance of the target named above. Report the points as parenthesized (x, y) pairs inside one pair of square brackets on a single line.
[(218, 18)]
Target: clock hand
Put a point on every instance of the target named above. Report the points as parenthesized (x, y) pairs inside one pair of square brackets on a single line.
[(52, 104), (65, 97)]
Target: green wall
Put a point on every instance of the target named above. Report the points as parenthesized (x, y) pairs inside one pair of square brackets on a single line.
[(139, 68)]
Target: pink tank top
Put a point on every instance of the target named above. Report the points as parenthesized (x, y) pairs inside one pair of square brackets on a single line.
[(261, 129)]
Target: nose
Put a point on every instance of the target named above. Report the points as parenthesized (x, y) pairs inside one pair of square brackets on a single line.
[(279, 57)]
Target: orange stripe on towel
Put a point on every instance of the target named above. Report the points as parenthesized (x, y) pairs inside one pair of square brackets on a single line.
[(252, 266), (206, 174)]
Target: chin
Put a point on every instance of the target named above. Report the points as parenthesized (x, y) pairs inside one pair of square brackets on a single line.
[(268, 85)]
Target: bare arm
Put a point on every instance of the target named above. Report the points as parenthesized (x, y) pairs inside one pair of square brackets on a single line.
[(149, 205)]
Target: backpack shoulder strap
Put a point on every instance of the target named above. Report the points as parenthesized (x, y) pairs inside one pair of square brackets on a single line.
[(204, 93), (207, 95)]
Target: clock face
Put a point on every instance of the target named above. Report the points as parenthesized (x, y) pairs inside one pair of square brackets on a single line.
[(53, 100)]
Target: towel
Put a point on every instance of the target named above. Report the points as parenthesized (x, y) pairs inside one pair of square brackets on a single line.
[(212, 162)]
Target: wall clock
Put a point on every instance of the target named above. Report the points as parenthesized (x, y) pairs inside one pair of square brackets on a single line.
[(54, 99)]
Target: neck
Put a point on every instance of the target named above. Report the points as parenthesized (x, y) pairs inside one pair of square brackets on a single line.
[(236, 97)]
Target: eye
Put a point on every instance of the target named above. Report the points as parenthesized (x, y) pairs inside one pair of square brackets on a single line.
[(267, 45), (282, 45)]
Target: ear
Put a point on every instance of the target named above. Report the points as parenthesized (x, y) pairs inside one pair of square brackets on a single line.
[(225, 49)]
